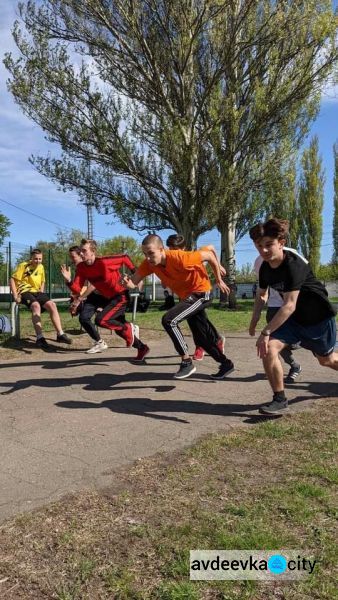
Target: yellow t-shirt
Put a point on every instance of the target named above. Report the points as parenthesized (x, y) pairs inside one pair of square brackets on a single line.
[(29, 278)]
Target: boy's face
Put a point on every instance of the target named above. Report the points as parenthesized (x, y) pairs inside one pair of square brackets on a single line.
[(154, 254), (270, 249), (87, 254), (36, 259), (75, 258)]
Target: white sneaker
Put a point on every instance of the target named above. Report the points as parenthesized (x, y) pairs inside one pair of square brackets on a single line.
[(136, 331), (97, 347)]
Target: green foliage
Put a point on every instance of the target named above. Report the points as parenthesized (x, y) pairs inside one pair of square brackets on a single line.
[(328, 272), (4, 229), (176, 105), (246, 274), (311, 201), (122, 244)]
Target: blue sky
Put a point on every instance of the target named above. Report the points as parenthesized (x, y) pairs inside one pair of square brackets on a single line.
[(21, 185)]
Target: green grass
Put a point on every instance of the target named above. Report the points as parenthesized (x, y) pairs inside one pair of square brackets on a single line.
[(269, 486)]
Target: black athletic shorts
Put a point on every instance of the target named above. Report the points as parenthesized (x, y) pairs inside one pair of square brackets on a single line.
[(28, 297)]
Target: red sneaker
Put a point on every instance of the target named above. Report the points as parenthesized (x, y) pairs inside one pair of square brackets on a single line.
[(221, 344), (198, 354), (141, 354), (128, 334)]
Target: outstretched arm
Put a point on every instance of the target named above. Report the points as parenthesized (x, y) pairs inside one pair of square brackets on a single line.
[(260, 301), (212, 249), (209, 256)]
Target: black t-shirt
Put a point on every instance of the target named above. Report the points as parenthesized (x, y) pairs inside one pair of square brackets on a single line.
[(294, 274)]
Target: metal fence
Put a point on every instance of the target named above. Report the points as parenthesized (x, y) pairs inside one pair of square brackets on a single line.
[(13, 253)]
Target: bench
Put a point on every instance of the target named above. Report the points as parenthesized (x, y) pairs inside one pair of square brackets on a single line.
[(15, 312), (15, 315)]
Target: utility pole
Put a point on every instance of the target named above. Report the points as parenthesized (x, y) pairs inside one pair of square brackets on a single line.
[(89, 205)]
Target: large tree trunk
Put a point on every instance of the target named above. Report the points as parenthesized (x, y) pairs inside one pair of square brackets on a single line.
[(228, 258)]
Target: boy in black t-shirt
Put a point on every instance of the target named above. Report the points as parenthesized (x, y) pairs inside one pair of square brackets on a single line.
[(306, 317)]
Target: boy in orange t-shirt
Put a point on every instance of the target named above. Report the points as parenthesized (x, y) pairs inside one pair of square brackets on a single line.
[(186, 275), (177, 242)]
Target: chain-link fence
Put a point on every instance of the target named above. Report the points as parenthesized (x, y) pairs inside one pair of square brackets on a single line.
[(13, 253)]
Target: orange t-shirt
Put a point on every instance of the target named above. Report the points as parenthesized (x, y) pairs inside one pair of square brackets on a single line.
[(183, 272)]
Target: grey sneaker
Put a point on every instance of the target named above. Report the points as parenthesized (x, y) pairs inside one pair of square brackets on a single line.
[(99, 346), (275, 407), (293, 374), (224, 370), (186, 369)]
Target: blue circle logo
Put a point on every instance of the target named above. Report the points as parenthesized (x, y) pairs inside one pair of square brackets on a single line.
[(277, 563)]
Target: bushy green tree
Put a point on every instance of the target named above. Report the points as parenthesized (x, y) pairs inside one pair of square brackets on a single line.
[(176, 104)]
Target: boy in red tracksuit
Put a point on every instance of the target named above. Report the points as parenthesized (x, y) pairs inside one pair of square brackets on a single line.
[(103, 273)]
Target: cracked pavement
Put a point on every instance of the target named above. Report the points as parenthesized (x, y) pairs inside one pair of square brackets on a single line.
[(68, 420)]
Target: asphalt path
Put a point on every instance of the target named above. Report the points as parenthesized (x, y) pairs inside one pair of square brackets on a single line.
[(69, 420)]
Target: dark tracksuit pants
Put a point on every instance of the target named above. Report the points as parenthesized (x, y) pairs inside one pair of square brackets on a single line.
[(204, 333), (112, 315)]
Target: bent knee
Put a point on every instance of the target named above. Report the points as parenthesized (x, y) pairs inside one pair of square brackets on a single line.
[(325, 361)]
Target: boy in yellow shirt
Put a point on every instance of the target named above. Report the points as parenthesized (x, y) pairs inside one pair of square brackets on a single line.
[(27, 286)]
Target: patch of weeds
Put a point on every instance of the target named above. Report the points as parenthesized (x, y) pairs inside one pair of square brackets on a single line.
[(66, 538), (237, 510), (329, 474), (233, 590), (275, 430), (177, 591), (68, 592), (139, 531), (308, 490), (121, 583), (177, 565), (85, 567)]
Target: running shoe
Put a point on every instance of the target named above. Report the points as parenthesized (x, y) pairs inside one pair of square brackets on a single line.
[(293, 374), (198, 354), (225, 369), (141, 354), (186, 369), (99, 346)]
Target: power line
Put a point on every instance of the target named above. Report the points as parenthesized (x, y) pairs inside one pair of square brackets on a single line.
[(62, 227)]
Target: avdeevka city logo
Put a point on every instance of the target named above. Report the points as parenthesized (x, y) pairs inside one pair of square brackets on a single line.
[(277, 564)]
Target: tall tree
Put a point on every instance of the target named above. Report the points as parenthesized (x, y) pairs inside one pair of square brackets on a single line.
[(311, 201), (335, 210), (4, 228), (175, 103)]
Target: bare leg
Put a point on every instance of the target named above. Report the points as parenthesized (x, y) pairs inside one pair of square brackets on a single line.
[(36, 318), (51, 308), (273, 367), (330, 361)]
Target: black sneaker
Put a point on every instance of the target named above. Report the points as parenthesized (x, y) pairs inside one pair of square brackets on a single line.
[(275, 407), (224, 370), (63, 339), (186, 369), (293, 374), (42, 343)]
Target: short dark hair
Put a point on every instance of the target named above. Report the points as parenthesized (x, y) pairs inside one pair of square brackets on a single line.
[(92, 243), (274, 228), (76, 249), (152, 238), (176, 242), (36, 251)]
